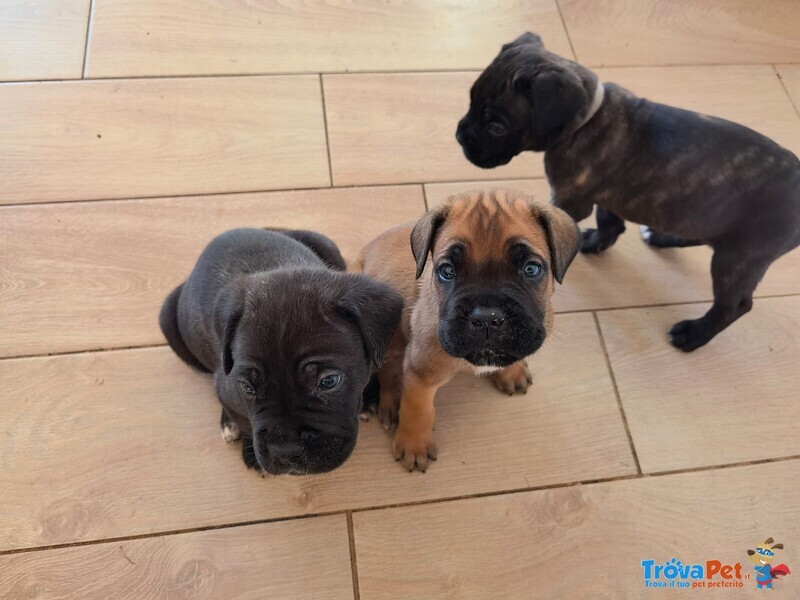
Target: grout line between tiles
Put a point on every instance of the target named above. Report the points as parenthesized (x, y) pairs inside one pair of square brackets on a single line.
[(558, 312), (327, 134), (786, 90), (432, 71), (88, 34), (353, 558), (616, 393), (402, 504), (666, 304), (566, 31), (255, 191)]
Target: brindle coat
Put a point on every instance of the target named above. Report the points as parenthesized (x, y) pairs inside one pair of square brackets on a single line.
[(694, 179)]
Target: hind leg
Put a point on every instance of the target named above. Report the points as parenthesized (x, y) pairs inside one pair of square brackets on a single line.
[(735, 277), (656, 239), (609, 228)]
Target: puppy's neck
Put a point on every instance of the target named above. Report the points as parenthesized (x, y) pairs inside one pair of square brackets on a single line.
[(597, 101)]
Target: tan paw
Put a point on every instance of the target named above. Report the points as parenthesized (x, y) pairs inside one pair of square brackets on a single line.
[(413, 450), (513, 380)]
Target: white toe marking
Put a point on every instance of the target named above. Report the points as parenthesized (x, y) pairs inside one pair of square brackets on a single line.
[(486, 370), (230, 433), (646, 232)]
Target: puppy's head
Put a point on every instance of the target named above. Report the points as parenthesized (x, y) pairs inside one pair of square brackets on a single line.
[(298, 349), (495, 256), (523, 101)]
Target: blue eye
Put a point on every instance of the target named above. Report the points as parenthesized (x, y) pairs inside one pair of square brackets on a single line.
[(446, 272), (330, 381), (532, 270), (247, 388)]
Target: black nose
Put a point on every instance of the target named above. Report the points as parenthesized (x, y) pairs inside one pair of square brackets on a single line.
[(285, 450), (486, 317)]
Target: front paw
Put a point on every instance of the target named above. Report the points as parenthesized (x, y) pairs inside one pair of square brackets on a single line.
[(690, 335), (230, 432), (414, 450), (513, 380)]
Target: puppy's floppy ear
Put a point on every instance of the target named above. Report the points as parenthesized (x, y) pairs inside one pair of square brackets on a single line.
[(375, 308), (228, 310), (563, 236), (424, 233), (556, 96), (526, 38)]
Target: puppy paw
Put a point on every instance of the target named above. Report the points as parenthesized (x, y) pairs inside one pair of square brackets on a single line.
[(414, 450), (690, 335), (646, 232), (593, 243), (230, 432), (513, 380)]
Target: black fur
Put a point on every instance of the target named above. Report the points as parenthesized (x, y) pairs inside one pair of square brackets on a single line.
[(262, 311)]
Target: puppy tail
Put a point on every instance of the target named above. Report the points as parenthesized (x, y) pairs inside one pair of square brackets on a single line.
[(168, 320)]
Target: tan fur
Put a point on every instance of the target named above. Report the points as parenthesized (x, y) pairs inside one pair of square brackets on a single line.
[(484, 222)]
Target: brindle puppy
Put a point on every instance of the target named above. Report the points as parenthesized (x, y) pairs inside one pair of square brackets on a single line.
[(694, 179), (482, 305)]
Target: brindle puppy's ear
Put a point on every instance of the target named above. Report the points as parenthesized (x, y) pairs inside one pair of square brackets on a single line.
[(556, 96), (375, 308), (563, 236), (228, 310), (526, 38), (424, 233)]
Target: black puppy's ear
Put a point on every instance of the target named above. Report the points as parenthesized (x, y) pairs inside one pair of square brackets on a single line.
[(563, 236), (375, 308), (556, 97), (424, 233), (526, 38), (228, 310)]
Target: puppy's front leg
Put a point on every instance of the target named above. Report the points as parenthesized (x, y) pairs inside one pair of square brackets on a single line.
[(413, 443), (609, 228), (514, 379)]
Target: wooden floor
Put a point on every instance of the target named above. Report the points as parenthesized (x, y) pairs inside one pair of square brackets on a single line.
[(133, 131)]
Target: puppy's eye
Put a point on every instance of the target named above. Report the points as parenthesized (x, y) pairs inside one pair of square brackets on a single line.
[(532, 270), (446, 272), (247, 388), (496, 129), (330, 381)]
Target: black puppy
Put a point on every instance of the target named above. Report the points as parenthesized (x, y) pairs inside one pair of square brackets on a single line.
[(291, 341), (694, 179)]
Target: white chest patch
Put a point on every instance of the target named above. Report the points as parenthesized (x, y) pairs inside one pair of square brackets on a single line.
[(487, 370)]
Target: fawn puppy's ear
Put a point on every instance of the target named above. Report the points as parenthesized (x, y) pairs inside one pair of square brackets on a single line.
[(563, 236), (424, 234)]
